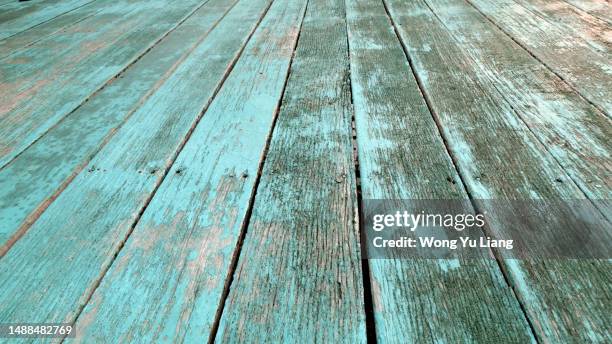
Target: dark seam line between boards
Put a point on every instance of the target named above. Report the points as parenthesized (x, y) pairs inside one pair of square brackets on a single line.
[(522, 120), (370, 320), (247, 219), (457, 169)]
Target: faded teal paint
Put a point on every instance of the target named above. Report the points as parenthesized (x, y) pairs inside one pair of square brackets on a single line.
[(402, 156), (30, 182), (598, 8), (78, 62), (22, 40), (571, 129), (82, 230), (500, 158), (187, 237), (298, 278), (566, 53), (26, 17), (596, 32)]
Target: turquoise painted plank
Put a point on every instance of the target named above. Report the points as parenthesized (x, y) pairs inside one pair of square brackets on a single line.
[(598, 8), (402, 156), (54, 160), (572, 130), (563, 51), (12, 45), (299, 276), (10, 6), (66, 252), (596, 32), (168, 281), (24, 18), (47, 81), (499, 158)]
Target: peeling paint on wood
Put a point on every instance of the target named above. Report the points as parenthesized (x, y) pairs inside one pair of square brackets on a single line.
[(500, 158), (299, 274), (563, 51), (184, 171), (77, 62), (82, 230), (59, 155), (187, 237), (395, 131)]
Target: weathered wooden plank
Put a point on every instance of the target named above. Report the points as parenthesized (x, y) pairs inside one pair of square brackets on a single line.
[(564, 52), (574, 132), (499, 158), (593, 30), (9, 6), (188, 235), (26, 17), (68, 249), (11, 45), (468, 300), (300, 258), (597, 8), (54, 160), (45, 82)]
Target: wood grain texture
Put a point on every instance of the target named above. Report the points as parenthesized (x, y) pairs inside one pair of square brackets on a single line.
[(25, 17), (571, 129), (68, 249), (567, 54), (596, 32), (299, 273), (47, 81), (597, 8), (59, 155), (19, 41), (499, 158), (186, 239), (418, 301)]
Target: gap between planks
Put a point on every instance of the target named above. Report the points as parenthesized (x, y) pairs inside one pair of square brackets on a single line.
[(461, 175), (249, 210), (370, 321), (592, 12)]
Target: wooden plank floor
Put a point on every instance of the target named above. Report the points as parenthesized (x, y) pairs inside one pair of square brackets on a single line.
[(194, 171)]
